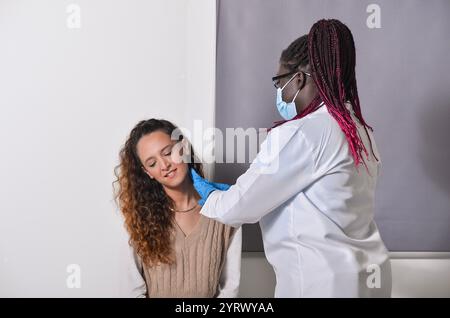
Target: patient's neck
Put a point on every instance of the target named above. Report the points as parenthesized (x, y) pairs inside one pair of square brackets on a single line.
[(184, 196)]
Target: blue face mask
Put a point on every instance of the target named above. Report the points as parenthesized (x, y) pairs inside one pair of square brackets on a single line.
[(286, 110)]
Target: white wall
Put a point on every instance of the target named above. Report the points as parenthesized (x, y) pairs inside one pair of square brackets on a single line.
[(423, 274), (68, 98)]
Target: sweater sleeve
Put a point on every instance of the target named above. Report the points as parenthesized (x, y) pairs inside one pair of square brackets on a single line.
[(132, 282), (231, 273)]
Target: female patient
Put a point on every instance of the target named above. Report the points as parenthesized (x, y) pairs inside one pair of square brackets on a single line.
[(174, 250)]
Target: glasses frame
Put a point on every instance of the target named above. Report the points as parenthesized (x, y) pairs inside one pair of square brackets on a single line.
[(277, 78)]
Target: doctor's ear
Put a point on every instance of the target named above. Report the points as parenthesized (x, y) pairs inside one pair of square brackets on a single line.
[(300, 79)]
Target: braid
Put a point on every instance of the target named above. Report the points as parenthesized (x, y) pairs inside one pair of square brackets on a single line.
[(332, 52)]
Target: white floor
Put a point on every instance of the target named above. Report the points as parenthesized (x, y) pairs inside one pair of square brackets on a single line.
[(413, 275)]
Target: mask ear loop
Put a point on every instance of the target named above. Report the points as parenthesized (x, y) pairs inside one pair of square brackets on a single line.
[(301, 87), (289, 81), (296, 95)]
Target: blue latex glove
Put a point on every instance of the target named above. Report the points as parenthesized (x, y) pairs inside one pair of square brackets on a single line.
[(204, 187)]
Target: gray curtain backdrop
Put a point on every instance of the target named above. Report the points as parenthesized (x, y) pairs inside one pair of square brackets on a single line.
[(403, 78)]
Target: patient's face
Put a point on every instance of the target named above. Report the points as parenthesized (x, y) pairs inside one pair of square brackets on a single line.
[(160, 163)]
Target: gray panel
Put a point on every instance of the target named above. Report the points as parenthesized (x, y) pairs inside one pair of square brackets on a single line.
[(403, 78)]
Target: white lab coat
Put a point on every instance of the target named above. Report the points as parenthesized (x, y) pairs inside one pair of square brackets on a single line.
[(315, 210)]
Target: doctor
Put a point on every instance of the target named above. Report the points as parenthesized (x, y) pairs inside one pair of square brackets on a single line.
[(311, 186)]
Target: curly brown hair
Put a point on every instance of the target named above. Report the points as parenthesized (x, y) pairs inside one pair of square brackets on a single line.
[(143, 201)]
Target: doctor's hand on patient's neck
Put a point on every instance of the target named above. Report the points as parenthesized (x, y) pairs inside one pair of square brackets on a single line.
[(205, 187)]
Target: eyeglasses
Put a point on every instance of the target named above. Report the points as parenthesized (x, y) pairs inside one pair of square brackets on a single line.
[(276, 79)]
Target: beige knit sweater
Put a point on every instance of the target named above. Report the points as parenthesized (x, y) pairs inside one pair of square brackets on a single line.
[(199, 262)]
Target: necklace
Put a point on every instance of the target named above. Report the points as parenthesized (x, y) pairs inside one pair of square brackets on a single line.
[(183, 211)]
